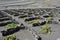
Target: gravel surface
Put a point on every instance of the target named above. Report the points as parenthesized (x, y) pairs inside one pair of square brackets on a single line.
[(26, 35)]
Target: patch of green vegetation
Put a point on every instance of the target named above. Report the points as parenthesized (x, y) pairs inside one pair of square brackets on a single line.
[(49, 19), (12, 36), (45, 29), (9, 37), (33, 21), (12, 25)]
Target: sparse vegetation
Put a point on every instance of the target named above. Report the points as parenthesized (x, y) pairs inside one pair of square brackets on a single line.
[(12, 25), (42, 17), (33, 21), (9, 37), (12, 36), (45, 29), (48, 19)]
